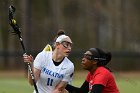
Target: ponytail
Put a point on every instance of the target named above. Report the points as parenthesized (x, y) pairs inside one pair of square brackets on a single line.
[(59, 33), (108, 56)]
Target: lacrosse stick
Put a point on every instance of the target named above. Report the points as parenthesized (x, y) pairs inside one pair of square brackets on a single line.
[(17, 31)]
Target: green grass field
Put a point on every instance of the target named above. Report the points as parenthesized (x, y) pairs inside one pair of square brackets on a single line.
[(17, 83)]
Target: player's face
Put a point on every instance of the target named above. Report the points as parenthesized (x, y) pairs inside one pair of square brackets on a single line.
[(87, 63), (65, 48)]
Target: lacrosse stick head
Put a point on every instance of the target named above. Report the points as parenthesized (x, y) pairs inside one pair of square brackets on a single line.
[(12, 10), (12, 21)]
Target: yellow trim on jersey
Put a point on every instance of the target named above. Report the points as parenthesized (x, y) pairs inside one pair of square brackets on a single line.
[(47, 48)]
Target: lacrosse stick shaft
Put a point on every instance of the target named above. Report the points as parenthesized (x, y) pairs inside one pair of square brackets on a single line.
[(17, 31), (21, 42), (32, 76), (29, 65)]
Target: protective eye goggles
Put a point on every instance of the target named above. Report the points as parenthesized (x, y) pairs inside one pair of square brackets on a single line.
[(66, 44), (91, 57), (88, 56)]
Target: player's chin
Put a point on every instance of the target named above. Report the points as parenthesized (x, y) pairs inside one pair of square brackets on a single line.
[(67, 54), (83, 66)]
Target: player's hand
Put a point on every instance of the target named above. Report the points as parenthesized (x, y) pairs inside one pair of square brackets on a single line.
[(63, 91), (28, 58), (56, 91)]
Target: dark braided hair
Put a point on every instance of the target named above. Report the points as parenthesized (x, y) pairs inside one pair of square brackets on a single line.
[(102, 58)]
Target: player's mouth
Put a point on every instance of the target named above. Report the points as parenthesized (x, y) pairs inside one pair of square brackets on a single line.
[(68, 52)]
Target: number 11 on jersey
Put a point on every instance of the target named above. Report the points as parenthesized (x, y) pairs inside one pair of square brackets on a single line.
[(49, 82)]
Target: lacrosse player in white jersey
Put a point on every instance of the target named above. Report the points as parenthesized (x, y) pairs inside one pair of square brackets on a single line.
[(52, 69)]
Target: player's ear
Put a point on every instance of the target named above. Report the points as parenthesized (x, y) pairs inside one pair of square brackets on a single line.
[(56, 45)]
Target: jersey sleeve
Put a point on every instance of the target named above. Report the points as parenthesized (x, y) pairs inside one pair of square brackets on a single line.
[(101, 78), (38, 62), (69, 74)]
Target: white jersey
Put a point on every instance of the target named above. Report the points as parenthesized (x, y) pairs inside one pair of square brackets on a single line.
[(50, 74)]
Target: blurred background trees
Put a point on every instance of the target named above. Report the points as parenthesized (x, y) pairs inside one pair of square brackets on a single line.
[(109, 24)]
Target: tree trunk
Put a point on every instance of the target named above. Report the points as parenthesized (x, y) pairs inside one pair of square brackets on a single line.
[(4, 31)]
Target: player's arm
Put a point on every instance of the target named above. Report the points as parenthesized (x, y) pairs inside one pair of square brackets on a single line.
[(36, 72), (36, 75), (60, 87), (83, 89), (97, 88)]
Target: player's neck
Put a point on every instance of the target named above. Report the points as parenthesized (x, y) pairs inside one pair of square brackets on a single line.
[(57, 57), (93, 70)]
